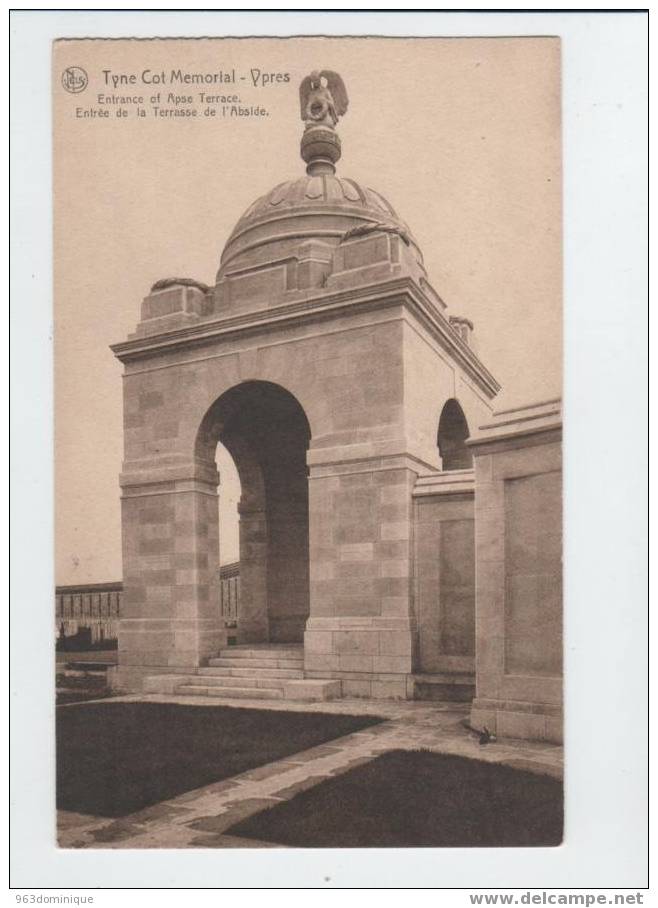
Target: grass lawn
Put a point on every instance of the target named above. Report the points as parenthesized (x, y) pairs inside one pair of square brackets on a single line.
[(116, 758), (416, 799)]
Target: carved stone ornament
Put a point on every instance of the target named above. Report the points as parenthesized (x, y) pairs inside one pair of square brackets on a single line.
[(323, 99), (168, 282), (381, 226)]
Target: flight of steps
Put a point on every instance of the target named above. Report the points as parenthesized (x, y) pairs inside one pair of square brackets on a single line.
[(257, 672)]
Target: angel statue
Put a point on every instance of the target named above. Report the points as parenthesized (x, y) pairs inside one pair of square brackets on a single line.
[(323, 99)]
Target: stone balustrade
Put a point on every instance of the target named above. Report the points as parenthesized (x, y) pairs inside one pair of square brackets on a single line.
[(229, 593), (97, 606)]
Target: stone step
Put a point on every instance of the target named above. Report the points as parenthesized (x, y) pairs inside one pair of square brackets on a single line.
[(236, 670), (230, 693), (241, 681), (225, 661), (244, 687), (305, 689), (457, 687), (312, 689), (271, 651), (166, 684)]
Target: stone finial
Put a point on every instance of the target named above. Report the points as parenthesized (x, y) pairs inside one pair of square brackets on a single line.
[(323, 100), (463, 328)]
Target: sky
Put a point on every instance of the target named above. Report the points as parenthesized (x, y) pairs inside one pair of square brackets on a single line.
[(462, 136)]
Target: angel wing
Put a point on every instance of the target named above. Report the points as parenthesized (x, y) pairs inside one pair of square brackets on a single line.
[(304, 90), (336, 86)]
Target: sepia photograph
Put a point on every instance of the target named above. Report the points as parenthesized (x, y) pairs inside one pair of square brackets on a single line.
[(308, 438)]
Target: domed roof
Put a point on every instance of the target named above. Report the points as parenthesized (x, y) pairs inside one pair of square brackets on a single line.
[(327, 190), (316, 205)]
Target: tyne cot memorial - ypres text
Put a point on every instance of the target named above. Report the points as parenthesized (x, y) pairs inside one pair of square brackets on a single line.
[(257, 77)]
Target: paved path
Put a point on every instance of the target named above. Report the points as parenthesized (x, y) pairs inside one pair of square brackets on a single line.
[(200, 818)]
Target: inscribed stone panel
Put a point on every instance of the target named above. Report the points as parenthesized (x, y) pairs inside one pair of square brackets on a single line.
[(533, 606), (457, 578)]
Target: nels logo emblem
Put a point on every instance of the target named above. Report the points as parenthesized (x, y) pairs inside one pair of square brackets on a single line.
[(74, 79)]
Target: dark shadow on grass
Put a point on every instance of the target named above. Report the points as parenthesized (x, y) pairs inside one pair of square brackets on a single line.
[(116, 758), (417, 799)]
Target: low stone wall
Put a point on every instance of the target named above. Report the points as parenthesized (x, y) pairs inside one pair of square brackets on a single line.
[(444, 573), (518, 529)]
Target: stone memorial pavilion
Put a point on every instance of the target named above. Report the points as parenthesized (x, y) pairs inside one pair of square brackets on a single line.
[(398, 538)]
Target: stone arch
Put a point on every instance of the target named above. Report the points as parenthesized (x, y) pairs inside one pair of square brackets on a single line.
[(452, 435), (266, 432)]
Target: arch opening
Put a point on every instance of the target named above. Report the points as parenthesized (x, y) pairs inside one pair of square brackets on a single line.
[(266, 432), (229, 495), (452, 435)]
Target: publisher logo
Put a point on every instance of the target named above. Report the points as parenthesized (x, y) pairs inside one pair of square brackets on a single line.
[(74, 79)]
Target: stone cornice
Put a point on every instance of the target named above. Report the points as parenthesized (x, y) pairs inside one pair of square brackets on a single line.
[(401, 291), (390, 455), (448, 483), (166, 475), (533, 424)]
